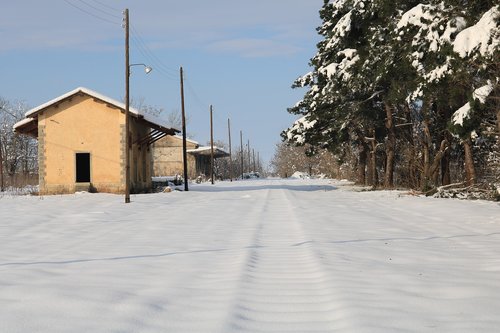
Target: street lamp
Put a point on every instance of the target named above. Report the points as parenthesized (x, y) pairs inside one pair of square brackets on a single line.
[(148, 70)]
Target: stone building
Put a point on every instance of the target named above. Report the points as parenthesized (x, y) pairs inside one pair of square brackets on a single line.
[(81, 143), (168, 161)]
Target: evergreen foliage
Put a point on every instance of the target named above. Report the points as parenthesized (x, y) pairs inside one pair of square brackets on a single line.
[(409, 87)]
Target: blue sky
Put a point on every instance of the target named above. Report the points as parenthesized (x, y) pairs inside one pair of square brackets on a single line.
[(240, 56)]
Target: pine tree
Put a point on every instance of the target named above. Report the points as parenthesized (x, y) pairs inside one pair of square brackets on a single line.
[(442, 64), (333, 115), (386, 81), (477, 50)]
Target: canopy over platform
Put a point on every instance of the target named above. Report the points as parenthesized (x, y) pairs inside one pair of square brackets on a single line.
[(206, 151)]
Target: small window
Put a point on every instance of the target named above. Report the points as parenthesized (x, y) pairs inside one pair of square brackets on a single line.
[(83, 167)]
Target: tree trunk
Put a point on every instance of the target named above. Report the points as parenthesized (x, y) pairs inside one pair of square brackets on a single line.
[(369, 173), (362, 165), (433, 169), (373, 160), (470, 172), (426, 153), (413, 170), (373, 170), (390, 147), (445, 159), (426, 165), (498, 119), (445, 168)]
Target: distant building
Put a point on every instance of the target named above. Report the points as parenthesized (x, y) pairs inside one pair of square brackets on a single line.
[(167, 157), (168, 161), (81, 143)]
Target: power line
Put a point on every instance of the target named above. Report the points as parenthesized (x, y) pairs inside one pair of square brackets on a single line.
[(146, 51), (139, 42), (197, 99), (89, 13), (100, 10), (154, 64), (202, 105), (107, 6)]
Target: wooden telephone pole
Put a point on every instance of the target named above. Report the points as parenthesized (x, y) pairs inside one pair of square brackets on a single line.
[(1, 168), (184, 144), (211, 146), (253, 152), (230, 154), (241, 144), (249, 159), (258, 161), (127, 107)]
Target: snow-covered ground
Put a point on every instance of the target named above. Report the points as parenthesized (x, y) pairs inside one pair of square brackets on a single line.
[(254, 256)]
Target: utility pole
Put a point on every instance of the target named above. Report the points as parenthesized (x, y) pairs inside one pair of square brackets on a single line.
[(127, 107), (184, 144), (230, 154), (253, 152), (211, 146), (1, 167), (258, 161), (242, 164), (249, 160)]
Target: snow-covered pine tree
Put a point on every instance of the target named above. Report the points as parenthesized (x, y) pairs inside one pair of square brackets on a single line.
[(333, 115), (383, 79), (388, 71), (477, 122), (444, 56)]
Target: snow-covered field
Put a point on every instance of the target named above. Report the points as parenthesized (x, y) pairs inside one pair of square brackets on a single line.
[(253, 256)]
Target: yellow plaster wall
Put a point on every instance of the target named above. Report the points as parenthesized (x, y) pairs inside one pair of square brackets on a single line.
[(81, 124)]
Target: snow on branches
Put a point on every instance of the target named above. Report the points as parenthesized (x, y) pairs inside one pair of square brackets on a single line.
[(479, 94), (483, 37), (296, 133), (439, 38)]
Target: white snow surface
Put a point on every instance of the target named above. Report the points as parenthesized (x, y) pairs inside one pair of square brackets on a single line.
[(426, 18), (340, 30), (341, 69), (22, 122), (483, 92), (484, 36), (461, 114), (300, 175), (416, 16), (249, 256), (480, 94), (296, 132)]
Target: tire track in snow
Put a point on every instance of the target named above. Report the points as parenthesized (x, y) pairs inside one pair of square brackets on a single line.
[(201, 299), (283, 287)]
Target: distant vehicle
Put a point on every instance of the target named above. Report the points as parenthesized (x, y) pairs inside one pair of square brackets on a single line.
[(251, 175)]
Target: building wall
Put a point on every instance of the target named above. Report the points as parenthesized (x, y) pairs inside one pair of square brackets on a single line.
[(81, 124), (167, 157)]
